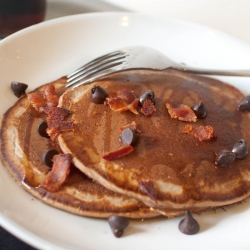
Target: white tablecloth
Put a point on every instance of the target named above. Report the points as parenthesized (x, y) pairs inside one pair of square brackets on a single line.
[(230, 16)]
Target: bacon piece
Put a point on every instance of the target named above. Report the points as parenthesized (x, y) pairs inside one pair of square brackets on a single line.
[(53, 133), (127, 96), (180, 111), (56, 123), (147, 187), (125, 100), (56, 113), (63, 125), (131, 125), (116, 103), (148, 108), (37, 100), (187, 129), (57, 126), (46, 102), (59, 172), (46, 99), (50, 95), (202, 133), (118, 153)]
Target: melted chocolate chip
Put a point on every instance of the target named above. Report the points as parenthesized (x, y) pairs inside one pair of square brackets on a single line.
[(48, 156), (149, 94), (244, 104), (224, 158), (200, 110), (240, 149), (41, 128), (118, 224), (18, 88), (189, 225), (99, 95), (129, 136)]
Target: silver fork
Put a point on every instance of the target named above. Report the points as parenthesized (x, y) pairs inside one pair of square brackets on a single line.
[(136, 57)]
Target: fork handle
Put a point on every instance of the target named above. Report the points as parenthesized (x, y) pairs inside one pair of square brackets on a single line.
[(194, 70)]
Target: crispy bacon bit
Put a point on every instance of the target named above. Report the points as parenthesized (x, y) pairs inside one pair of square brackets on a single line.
[(46, 102), (202, 133), (53, 133), (125, 100), (118, 153), (132, 125), (127, 96), (50, 95), (37, 100), (180, 111), (187, 129), (46, 99), (56, 123), (148, 108), (59, 172), (57, 126), (147, 187), (63, 125), (56, 113)]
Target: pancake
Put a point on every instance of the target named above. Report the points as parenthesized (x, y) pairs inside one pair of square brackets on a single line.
[(21, 152), (167, 169)]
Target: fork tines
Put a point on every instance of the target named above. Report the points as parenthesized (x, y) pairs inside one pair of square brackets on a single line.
[(95, 67)]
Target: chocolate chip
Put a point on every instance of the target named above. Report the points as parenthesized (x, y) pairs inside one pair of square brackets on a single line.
[(149, 94), (99, 95), (147, 187), (240, 149), (129, 136), (41, 128), (200, 110), (189, 225), (244, 104), (224, 158), (117, 224), (48, 156), (18, 88)]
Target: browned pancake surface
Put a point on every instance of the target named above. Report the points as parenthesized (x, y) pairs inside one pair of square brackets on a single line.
[(180, 167), (21, 152)]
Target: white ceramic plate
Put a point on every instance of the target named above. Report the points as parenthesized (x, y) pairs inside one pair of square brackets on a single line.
[(49, 50)]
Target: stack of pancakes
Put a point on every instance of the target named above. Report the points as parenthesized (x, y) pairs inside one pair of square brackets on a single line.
[(177, 170)]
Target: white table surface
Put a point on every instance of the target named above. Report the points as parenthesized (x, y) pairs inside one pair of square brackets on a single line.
[(229, 16)]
